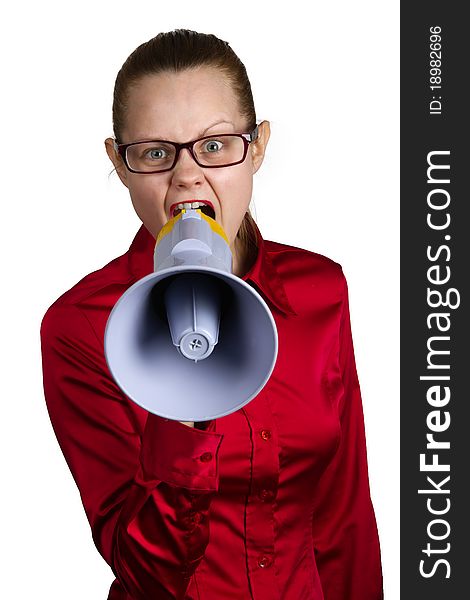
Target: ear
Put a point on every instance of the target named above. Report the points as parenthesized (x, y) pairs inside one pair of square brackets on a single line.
[(258, 147), (117, 161)]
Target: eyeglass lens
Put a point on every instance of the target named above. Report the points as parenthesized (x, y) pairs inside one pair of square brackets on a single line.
[(216, 151)]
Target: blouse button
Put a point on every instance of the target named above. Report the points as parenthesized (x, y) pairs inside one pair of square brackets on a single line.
[(264, 561), (266, 495), (265, 434), (196, 518), (206, 457)]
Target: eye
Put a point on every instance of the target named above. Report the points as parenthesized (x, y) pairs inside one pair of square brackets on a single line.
[(212, 146), (156, 153)]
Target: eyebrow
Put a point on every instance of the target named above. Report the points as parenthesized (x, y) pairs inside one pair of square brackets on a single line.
[(214, 124), (201, 134)]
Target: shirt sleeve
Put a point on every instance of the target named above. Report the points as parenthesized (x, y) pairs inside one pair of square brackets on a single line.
[(146, 489), (346, 542)]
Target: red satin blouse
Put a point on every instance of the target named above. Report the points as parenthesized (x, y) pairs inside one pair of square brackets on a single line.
[(269, 503)]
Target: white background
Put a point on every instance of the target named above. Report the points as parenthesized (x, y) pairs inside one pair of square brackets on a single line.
[(326, 76)]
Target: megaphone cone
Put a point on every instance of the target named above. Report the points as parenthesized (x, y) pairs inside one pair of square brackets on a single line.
[(191, 341)]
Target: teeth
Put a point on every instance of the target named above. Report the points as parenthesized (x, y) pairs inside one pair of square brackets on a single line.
[(187, 205)]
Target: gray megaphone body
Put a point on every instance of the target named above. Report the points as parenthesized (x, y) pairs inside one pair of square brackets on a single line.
[(191, 341)]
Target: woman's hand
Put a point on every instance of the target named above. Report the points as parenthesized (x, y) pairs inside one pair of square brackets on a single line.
[(188, 423)]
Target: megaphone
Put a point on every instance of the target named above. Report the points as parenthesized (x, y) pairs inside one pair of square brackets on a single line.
[(191, 341)]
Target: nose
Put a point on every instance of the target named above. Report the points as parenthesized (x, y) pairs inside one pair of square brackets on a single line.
[(187, 172)]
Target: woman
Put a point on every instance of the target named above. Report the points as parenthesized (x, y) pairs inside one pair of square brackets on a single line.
[(273, 500)]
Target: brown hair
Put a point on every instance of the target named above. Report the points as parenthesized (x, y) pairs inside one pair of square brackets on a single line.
[(176, 51)]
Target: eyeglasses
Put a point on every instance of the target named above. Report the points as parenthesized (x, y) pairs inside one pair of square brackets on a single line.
[(210, 152)]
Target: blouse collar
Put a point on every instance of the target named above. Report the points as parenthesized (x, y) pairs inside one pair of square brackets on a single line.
[(263, 272)]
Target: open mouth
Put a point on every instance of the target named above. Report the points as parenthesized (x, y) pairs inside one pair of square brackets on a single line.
[(205, 207)]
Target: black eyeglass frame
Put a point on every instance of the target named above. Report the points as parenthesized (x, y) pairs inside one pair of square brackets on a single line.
[(247, 138)]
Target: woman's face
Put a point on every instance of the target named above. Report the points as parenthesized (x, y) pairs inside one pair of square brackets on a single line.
[(181, 107)]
